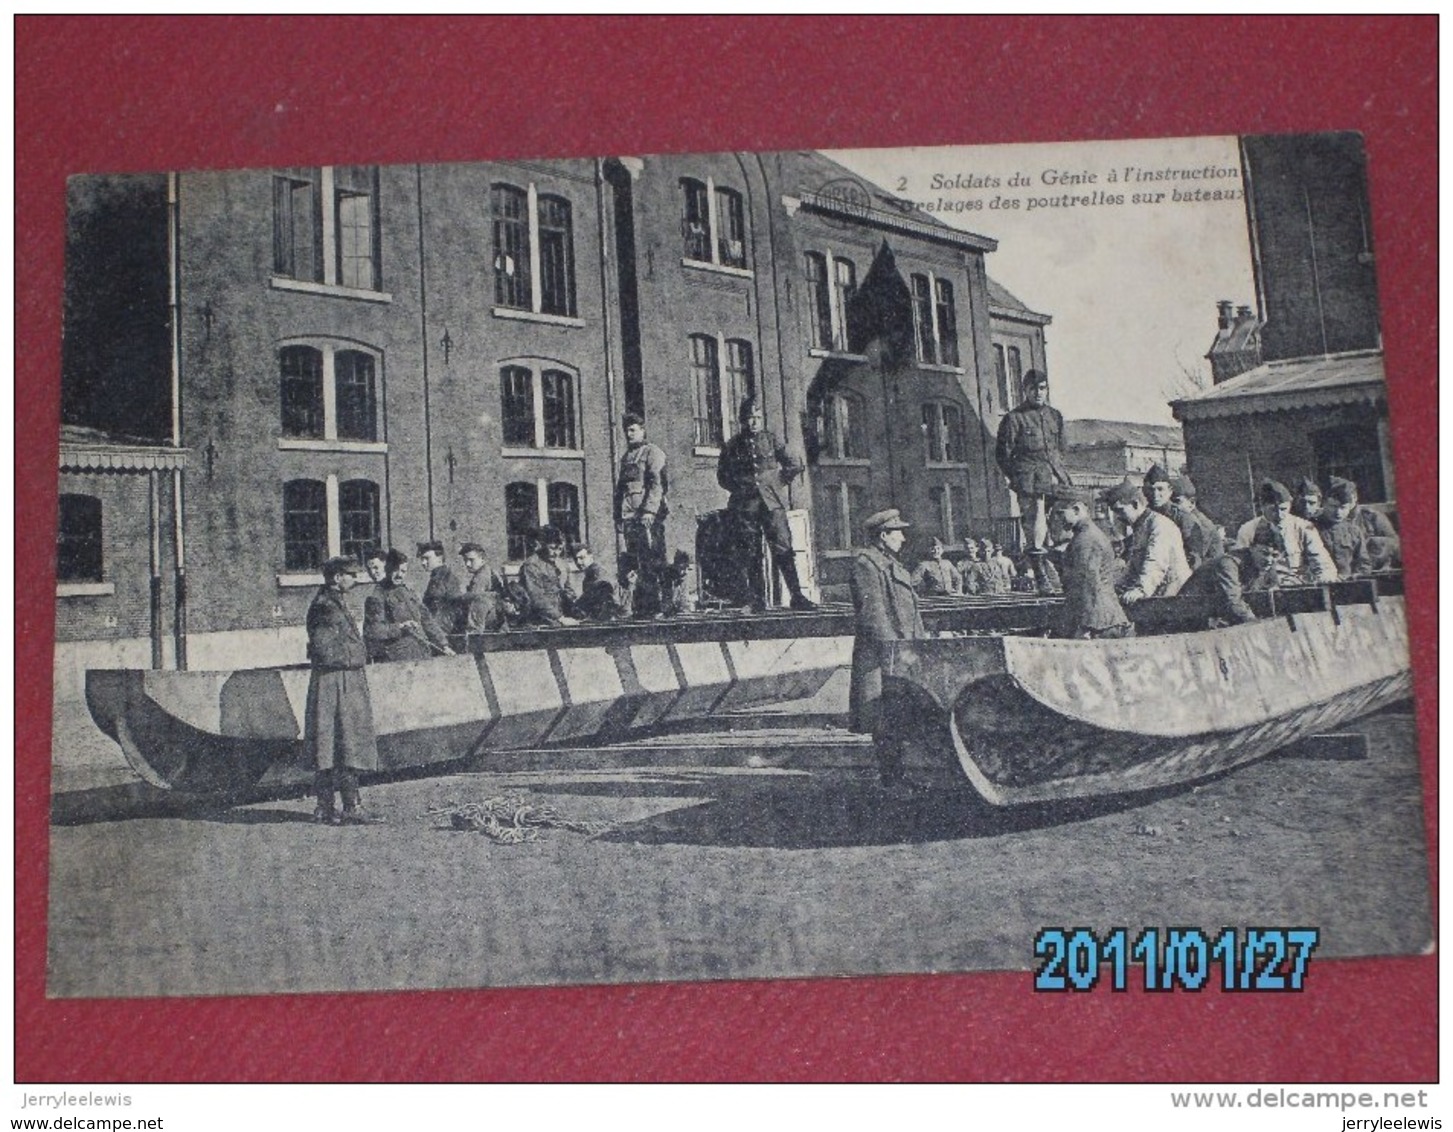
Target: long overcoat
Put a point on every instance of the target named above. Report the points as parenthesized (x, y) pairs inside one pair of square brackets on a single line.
[(338, 716), (887, 610)]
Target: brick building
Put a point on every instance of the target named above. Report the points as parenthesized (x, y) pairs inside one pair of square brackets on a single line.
[(324, 359)]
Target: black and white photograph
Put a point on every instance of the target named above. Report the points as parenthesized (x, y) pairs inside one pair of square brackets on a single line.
[(734, 565)]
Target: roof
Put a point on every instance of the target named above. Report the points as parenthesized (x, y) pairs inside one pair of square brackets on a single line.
[(824, 186), (91, 450), (1001, 302), (1293, 383), (1122, 434), (1243, 334)]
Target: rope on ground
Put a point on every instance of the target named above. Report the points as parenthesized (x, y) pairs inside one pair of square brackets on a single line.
[(510, 819)]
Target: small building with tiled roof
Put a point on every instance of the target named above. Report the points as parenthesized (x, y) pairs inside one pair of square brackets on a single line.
[(1100, 453), (1237, 345)]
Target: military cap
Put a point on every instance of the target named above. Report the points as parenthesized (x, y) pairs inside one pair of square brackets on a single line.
[(375, 552), (1034, 377), (395, 559), (435, 545), (888, 520), (1183, 486), (1308, 486), (1342, 491), (1157, 474), (632, 419), (1273, 492), (1124, 492), (340, 564), (471, 548), (1069, 493), (549, 535)]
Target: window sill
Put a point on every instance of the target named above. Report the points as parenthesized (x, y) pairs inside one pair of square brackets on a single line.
[(85, 589), (303, 444), (718, 268), (542, 453), (840, 355), (706, 450), (307, 286), (935, 367), (844, 462), (947, 465), (294, 581), (838, 553), (536, 316)]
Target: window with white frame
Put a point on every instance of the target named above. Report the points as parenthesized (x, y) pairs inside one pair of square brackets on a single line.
[(951, 510), (713, 224), (329, 392), (1016, 375), (832, 281), (534, 251), (326, 227), (539, 407), (935, 326), (843, 433), (943, 433), (79, 555), (844, 506), (323, 518), (719, 390), (1001, 374), (534, 503)]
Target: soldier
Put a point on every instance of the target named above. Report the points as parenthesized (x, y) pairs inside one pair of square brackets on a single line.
[(1030, 453), (886, 609), (1202, 538), (483, 607), (1225, 579), (599, 599), (641, 505), (551, 597), (376, 565), (396, 626), (977, 576), (936, 575), (1156, 562), (1091, 608), (1158, 490), (1296, 548), (1383, 547), (442, 594), (994, 576), (1307, 504), (754, 467), (338, 718)]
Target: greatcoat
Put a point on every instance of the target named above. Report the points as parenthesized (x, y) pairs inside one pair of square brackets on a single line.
[(886, 606), (338, 716)]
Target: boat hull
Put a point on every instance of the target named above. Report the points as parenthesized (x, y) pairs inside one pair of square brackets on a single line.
[(1023, 719)]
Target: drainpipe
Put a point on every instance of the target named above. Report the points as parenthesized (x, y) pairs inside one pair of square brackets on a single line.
[(612, 419), (179, 622)]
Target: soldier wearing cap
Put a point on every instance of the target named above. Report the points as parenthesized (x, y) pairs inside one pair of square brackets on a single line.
[(935, 574), (551, 597), (1158, 489), (1307, 504), (1202, 538), (886, 609), (1297, 552), (641, 505), (1156, 561), (484, 606), (376, 563), (338, 717), (978, 577), (442, 594), (1091, 608), (1031, 452), (396, 626), (1224, 581), (754, 467), (1359, 538)]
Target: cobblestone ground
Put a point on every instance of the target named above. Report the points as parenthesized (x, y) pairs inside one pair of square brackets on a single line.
[(749, 855)]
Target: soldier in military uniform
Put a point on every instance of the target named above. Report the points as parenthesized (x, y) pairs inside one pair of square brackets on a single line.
[(396, 626), (442, 594), (1201, 537), (338, 716), (754, 467), (1343, 518), (641, 507), (886, 609), (1030, 453), (1091, 608)]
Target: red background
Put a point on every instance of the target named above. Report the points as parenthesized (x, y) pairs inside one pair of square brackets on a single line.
[(96, 95)]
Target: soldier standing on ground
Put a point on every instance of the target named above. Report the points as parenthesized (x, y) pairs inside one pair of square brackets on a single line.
[(338, 718), (886, 609), (754, 467), (1031, 453)]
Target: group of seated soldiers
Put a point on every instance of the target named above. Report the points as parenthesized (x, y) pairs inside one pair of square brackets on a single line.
[(984, 569), (1171, 548), (399, 624)]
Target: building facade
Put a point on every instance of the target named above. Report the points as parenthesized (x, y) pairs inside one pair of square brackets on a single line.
[(328, 359)]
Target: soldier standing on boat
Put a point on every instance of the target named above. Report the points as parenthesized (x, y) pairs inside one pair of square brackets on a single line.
[(754, 467), (1031, 454), (338, 718), (1091, 608), (885, 605), (641, 507)]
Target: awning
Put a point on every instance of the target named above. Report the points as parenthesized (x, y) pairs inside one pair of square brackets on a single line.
[(1297, 383)]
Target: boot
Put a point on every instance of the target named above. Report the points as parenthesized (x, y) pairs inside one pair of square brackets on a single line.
[(787, 563), (326, 812)]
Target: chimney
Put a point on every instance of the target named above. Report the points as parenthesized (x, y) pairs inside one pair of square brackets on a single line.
[(1243, 313), (1223, 310)]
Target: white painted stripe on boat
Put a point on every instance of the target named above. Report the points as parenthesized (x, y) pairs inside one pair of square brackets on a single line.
[(524, 681), (654, 669), (423, 695), (194, 698)]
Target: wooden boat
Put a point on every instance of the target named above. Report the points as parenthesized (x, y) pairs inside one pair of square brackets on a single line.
[(1031, 719)]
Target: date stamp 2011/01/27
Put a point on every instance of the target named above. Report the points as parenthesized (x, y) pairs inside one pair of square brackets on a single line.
[(1167, 959)]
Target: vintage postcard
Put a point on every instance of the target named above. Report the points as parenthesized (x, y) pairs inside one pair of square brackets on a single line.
[(735, 565)]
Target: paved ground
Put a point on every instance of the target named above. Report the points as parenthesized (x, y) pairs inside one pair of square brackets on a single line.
[(763, 853)]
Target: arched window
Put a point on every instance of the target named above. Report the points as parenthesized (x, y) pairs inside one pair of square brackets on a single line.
[(79, 549), (943, 433), (557, 257), (522, 515), (302, 391), (358, 518), (357, 400), (819, 302), (842, 427), (706, 381), (305, 525), (328, 392), (539, 405), (713, 224), (563, 504), (509, 209), (731, 229), (935, 326), (695, 220), (318, 208)]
